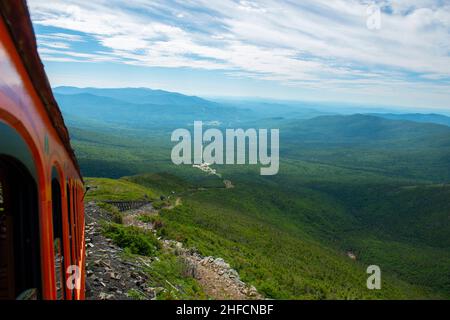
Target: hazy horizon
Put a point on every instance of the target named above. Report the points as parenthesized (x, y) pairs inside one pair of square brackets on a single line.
[(319, 104)]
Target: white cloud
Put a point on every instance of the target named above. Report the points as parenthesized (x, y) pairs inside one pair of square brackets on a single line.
[(61, 37), (306, 44), (53, 44)]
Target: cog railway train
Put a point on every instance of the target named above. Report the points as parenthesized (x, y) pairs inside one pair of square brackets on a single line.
[(41, 188)]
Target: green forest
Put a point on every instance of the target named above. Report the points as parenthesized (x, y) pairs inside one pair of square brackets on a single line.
[(371, 185)]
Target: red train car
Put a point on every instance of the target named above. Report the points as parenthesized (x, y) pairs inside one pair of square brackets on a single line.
[(41, 188)]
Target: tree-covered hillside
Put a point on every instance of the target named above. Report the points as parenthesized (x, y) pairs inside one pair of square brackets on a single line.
[(362, 184)]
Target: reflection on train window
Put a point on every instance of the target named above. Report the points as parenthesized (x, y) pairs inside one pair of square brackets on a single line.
[(57, 239), (1, 198), (69, 220), (69, 255), (75, 223), (6, 248), (73, 214)]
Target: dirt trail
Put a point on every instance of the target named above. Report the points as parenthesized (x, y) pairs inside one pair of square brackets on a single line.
[(177, 203), (218, 280)]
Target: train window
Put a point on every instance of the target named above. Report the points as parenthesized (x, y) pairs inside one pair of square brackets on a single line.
[(58, 239), (75, 221), (69, 220), (75, 241), (6, 255), (20, 274), (72, 216), (77, 230), (1, 198)]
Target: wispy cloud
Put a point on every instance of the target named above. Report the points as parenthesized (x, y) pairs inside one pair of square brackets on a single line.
[(313, 44)]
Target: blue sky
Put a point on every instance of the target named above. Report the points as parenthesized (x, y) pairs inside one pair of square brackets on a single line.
[(340, 50)]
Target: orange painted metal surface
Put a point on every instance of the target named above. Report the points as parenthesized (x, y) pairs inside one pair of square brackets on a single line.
[(22, 108)]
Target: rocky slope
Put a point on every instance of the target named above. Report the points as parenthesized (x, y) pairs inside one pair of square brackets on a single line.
[(109, 275), (114, 275)]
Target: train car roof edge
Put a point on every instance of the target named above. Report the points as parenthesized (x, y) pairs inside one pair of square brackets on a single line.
[(18, 21)]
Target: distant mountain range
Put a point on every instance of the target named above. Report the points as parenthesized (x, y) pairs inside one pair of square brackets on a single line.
[(417, 117), (139, 96), (366, 129), (171, 106), (140, 108), (144, 107)]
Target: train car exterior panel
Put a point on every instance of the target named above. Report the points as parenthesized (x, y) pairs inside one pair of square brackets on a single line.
[(22, 109)]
